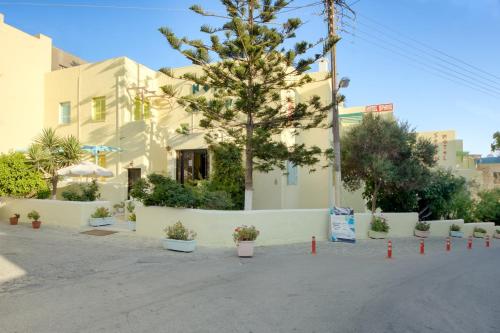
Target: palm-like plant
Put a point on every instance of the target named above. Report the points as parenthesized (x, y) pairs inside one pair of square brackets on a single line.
[(49, 153)]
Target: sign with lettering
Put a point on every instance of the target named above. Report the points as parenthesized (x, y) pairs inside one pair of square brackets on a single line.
[(380, 108)]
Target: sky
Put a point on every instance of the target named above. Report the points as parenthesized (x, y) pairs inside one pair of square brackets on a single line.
[(438, 61)]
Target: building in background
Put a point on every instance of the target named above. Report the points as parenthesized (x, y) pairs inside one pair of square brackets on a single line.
[(490, 169)]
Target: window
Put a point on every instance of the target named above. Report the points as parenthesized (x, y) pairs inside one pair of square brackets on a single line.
[(192, 165), (292, 173), (138, 112), (99, 108), (65, 113)]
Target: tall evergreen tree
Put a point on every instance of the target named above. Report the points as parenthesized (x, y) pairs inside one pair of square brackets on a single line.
[(247, 67)]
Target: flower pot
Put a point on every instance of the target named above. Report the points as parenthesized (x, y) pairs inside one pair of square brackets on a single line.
[(422, 234), (457, 234), (179, 245), (13, 220), (131, 225), (100, 221), (377, 234), (245, 248), (36, 224), (479, 234)]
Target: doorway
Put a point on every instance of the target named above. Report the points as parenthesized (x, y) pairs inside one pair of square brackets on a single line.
[(134, 174), (192, 165)]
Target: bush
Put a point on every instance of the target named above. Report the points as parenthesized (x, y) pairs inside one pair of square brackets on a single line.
[(455, 227), (488, 207), (379, 224), (18, 178), (245, 233), (207, 199), (101, 212), (422, 226), (43, 193), (480, 230), (179, 232), (34, 215), (82, 192)]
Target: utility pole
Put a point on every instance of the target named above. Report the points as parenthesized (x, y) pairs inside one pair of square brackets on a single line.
[(337, 180)]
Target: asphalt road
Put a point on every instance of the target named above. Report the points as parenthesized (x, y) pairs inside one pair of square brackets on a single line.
[(80, 283)]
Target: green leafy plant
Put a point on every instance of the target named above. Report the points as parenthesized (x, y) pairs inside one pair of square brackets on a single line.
[(33, 215), (245, 233), (379, 224), (422, 226), (208, 199), (132, 217), (455, 227), (497, 231), (488, 207), (101, 212), (43, 193), (479, 230), (82, 192), (130, 209), (179, 232), (120, 205), (18, 178), (16, 215)]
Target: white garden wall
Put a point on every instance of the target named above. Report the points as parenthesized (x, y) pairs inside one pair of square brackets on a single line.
[(72, 214), (442, 227)]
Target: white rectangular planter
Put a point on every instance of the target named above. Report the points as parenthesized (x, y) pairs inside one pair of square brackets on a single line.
[(131, 225), (179, 245), (98, 222)]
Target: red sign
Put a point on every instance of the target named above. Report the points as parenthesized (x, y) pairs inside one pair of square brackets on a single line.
[(380, 108)]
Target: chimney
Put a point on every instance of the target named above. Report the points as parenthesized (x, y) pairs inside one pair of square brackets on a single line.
[(322, 65)]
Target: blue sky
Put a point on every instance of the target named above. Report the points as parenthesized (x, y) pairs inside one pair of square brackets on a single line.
[(378, 51)]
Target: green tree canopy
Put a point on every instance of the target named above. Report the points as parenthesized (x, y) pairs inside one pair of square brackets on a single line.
[(18, 178), (252, 70), (496, 141), (488, 207), (384, 156)]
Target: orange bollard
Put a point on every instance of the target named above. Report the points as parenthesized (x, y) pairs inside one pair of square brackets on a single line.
[(422, 247), (487, 238), (448, 244), (389, 249), (469, 243), (313, 246)]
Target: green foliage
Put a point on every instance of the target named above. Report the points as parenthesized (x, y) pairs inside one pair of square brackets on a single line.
[(422, 226), (82, 192), (253, 70), (497, 231), (245, 233), (228, 174), (179, 232), (44, 193), (387, 158), (455, 227), (379, 224), (34, 215), (120, 205), (18, 178), (132, 217), (101, 212), (479, 230), (49, 153), (205, 198), (496, 141), (488, 207), (130, 210)]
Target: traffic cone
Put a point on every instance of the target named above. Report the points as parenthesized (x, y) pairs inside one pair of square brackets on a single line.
[(389, 249), (313, 246), (422, 247), (448, 244), (487, 238), (469, 243)]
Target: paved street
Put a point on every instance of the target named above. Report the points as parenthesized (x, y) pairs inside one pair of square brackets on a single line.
[(116, 283)]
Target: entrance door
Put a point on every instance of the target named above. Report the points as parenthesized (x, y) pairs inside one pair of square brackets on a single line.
[(192, 165), (134, 174)]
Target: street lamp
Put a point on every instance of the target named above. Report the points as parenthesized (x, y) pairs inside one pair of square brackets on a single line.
[(344, 82)]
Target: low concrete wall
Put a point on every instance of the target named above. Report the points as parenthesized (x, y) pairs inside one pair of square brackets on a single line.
[(73, 214), (442, 227), (468, 228), (285, 226)]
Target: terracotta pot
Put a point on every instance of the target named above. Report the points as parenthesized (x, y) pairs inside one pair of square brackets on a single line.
[(245, 248), (422, 234), (13, 220), (36, 224)]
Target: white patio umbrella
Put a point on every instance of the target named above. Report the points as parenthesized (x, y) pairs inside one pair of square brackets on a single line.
[(85, 169)]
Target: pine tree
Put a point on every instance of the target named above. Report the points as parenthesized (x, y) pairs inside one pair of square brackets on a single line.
[(247, 67)]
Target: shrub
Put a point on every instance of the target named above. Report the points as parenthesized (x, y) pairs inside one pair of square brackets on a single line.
[(245, 233), (379, 224), (479, 230), (422, 226), (497, 231), (18, 178), (82, 192), (488, 207), (119, 205), (179, 232), (43, 193), (455, 227), (101, 212), (130, 208), (207, 199), (16, 215), (33, 215)]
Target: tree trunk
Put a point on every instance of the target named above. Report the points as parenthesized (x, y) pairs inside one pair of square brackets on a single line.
[(53, 182), (249, 169), (374, 198)]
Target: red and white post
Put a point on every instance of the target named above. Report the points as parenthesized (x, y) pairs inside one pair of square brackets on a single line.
[(389, 249), (422, 247), (469, 243), (487, 240), (448, 244), (313, 246)]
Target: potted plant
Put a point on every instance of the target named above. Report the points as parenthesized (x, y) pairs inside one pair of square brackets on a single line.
[(119, 207), (497, 233), (34, 216), (101, 217), (14, 219), (245, 237), (422, 229), (455, 231), (131, 218), (379, 228), (179, 238), (479, 232)]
